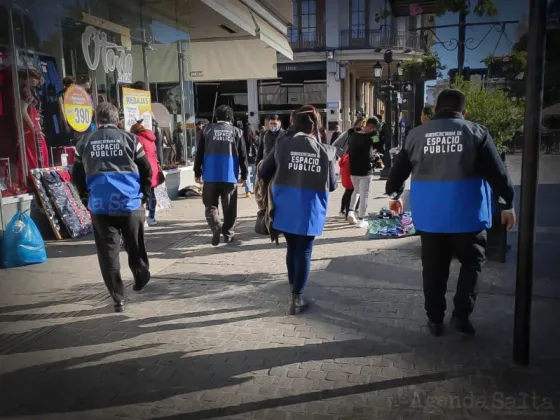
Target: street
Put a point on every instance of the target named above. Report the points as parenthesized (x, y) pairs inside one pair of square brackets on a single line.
[(209, 336)]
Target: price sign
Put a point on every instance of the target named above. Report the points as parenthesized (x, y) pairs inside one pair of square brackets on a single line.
[(78, 109)]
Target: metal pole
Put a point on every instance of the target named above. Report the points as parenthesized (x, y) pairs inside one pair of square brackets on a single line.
[(144, 49), (182, 90), (388, 130), (462, 38), (17, 96), (529, 180)]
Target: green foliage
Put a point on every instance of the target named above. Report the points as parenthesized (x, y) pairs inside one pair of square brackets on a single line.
[(481, 8), (428, 67), (512, 64), (494, 109)]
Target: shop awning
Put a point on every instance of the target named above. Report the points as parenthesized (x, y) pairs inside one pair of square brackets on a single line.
[(208, 61), (253, 24)]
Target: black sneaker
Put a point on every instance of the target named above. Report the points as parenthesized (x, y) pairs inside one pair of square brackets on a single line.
[(297, 304), (216, 236), (119, 307), (228, 239), (436, 329), (463, 326)]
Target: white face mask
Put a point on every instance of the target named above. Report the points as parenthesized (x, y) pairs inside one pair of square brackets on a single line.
[(274, 129)]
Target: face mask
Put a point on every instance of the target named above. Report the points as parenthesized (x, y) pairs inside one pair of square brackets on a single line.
[(274, 129)]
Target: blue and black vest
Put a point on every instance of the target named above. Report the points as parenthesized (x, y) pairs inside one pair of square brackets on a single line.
[(221, 159), (300, 188), (448, 193), (112, 177)]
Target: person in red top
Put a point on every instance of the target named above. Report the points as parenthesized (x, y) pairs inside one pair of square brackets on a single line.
[(148, 140), (344, 165)]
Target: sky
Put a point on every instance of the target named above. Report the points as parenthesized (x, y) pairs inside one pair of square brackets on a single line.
[(508, 10)]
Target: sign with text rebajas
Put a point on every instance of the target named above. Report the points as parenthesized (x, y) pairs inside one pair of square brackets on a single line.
[(137, 105)]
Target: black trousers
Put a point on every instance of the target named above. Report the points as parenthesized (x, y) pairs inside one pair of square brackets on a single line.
[(212, 193), (107, 231), (438, 250), (345, 203)]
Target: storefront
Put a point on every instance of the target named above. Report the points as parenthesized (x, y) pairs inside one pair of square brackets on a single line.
[(58, 61)]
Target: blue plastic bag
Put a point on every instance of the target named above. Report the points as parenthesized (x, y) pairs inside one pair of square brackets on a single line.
[(22, 243)]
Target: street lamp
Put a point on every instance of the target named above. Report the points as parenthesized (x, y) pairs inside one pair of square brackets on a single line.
[(377, 70), (400, 69)]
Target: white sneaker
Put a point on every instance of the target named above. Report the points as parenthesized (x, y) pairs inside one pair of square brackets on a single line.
[(146, 223), (363, 224), (151, 222), (342, 215), (352, 218)]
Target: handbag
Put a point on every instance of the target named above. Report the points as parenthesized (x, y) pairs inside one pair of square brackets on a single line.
[(260, 224), (160, 176)]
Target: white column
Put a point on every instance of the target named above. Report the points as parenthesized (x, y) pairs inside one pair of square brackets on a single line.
[(333, 97), (346, 103), (367, 96), (253, 102), (360, 95), (371, 100), (352, 97)]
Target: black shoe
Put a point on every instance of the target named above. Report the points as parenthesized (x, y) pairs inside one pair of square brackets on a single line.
[(119, 307), (228, 239), (216, 236), (436, 329), (140, 286), (297, 304), (464, 326)]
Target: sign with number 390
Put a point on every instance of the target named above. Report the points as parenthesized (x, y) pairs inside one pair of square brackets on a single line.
[(78, 109)]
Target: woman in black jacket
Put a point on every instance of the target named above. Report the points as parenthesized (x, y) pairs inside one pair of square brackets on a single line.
[(362, 158)]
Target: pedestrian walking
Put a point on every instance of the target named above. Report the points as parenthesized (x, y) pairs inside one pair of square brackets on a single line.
[(112, 173), (148, 140), (336, 133), (363, 157), (453, 163), (220, 158), (251, 146), (302, 173), (273, 133)]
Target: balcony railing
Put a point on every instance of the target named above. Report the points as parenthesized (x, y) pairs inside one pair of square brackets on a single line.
[(377, 38), (310, 41)]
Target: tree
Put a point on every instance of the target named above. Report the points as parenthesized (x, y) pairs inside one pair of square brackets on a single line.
[(494, 109), (428, 67), (481, 8)]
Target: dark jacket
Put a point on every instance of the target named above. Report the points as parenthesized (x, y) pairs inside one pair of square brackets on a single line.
[(221, 154), (454, 163), (361, 153), (303, 173), (112, 170), (267, 143), (334, 136)]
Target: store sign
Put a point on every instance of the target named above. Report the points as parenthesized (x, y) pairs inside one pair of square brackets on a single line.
[(97, 50), (78, 109), (137, 105), (333, 105)]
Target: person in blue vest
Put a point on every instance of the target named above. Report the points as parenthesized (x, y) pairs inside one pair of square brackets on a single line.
[(220, 156), (302, 173), (453, 163), (113, 175)]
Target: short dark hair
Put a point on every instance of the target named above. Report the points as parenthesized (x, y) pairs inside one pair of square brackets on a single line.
[(273, 117), (307, 120), (140, 85), (224, 113), (379, 117), (372, 121), (451, 100)]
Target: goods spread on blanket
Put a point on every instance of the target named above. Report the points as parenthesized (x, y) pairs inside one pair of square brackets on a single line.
[(68, 217), (383, 226)]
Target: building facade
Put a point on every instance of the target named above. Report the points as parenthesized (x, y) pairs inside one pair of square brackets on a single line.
[(336, 43)]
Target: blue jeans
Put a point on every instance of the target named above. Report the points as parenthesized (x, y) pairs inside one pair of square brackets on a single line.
[(250, 178), (298, 260), (152, 204)]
